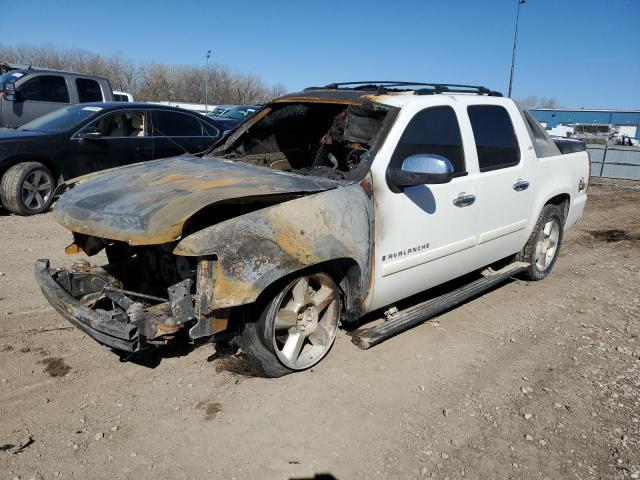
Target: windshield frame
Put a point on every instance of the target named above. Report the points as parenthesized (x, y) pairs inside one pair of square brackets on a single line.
[(58, 115), (219, 149)]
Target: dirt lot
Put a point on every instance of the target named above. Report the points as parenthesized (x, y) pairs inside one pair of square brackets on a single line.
[(532, 380)]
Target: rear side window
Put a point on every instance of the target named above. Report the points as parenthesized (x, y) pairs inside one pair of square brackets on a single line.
[(210, 130), (175, 124), (88, 90), (543, 145), (45, 88), (495, 138), (435, 131)]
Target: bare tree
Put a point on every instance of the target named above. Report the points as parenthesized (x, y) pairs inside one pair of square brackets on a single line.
[(152, 81), (550, 102), (537, 102)]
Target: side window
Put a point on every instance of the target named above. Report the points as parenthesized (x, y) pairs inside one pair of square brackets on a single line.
[(543, 145), (45, 88), (436, 131), (88, 90), (120, 124), (175, 124), (495, 138), (210, 130)]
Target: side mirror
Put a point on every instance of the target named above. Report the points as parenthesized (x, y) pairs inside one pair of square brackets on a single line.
[(9, 92), (420, 169), (90, 135)]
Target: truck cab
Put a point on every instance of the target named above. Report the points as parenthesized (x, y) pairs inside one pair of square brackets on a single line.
[(504, 170), (29, 93)]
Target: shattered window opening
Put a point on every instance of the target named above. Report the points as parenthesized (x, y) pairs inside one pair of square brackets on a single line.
[(321, 139)]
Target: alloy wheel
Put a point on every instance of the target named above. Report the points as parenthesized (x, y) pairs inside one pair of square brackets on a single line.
[(547, 244), (37, 189), (306, 321)]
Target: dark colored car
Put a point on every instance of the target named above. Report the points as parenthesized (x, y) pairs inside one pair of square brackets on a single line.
[(220, 109), (233, 117), (85, 138)]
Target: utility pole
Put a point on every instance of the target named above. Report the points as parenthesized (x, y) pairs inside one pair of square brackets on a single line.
[(515, 42), (206, 85)]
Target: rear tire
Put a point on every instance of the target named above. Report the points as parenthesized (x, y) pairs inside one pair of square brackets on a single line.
[(543, 246), (296, 329), (27, 188)]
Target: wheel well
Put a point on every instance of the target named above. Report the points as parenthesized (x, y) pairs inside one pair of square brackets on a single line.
[(6, 165), (344, 271), (562, 200)]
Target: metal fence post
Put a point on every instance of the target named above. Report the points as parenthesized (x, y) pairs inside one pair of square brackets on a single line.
[(604, 157)]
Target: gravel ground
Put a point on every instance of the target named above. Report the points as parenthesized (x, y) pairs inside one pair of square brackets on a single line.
[(532, 380)]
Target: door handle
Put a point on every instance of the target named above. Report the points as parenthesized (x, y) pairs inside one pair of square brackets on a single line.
[(464, 200), (520, 185)]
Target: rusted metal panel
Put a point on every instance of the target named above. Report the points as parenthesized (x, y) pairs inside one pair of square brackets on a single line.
[(346, 97), (146, 204), (261, 247), (205, 282), (95, 323), (338, 101)]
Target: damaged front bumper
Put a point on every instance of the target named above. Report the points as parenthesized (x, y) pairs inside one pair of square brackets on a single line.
[(94, 301)]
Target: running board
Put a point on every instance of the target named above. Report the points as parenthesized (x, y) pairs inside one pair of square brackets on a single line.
[(398, 322)]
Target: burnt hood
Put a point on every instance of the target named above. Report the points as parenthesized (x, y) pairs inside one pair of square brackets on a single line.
[(149, 203)]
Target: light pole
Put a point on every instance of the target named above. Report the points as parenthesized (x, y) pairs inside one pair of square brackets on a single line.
[(515, 42), (206, 85)]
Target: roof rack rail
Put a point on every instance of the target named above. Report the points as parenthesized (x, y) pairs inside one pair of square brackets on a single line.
[(8, 67), (382, 86)]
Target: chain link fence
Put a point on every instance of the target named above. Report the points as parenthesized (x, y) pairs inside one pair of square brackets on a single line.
[(615, 161)]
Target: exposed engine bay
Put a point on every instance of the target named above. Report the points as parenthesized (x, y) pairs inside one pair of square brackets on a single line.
[(324, 139), (142, 297), (147, 269)]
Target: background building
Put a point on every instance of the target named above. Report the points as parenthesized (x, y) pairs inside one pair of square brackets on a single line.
[(593, 126)]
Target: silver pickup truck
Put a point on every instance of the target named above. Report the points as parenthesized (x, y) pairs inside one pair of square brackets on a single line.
[(28, 93), (327, 207)]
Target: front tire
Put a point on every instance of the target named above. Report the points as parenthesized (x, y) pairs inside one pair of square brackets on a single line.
[(296, 329), (543, 246), (27, 188)]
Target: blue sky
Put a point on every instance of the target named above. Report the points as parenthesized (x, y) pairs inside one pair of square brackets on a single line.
[(586, 53)]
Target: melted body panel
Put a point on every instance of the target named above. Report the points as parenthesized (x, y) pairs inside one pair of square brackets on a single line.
[(149, 203), (258, 248)]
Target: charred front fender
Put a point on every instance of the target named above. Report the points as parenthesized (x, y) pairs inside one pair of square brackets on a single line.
[(248, 253)]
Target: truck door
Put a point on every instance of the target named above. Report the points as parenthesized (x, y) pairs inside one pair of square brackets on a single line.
[(426, 234), (36, 95), (503, 183)]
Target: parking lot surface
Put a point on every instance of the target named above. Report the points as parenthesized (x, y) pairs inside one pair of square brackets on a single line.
[(531, 380)]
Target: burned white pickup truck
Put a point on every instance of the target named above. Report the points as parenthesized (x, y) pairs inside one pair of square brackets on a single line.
[(324, 206)]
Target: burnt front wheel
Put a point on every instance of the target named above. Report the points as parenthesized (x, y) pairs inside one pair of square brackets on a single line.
[(296, 329)]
